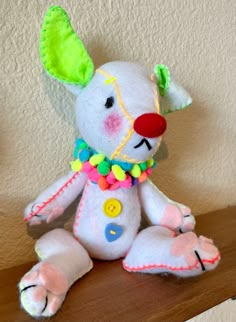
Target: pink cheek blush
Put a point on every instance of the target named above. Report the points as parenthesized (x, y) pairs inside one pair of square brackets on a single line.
[(112, 124)]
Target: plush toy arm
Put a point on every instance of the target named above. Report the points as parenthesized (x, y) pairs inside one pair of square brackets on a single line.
[(52, 202), (162, 211)]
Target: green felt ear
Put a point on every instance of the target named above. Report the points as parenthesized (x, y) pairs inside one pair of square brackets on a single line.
[(173, 96), (163, 78), (62, 53)]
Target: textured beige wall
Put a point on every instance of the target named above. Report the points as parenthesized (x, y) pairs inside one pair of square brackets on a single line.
[(195, 38)]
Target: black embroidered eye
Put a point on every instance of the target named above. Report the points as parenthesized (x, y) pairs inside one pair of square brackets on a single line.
[(109, 102)]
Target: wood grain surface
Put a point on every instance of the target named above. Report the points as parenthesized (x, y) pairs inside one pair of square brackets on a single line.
[(108, 293)]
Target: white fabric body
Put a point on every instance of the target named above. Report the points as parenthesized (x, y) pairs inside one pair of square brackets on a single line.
[(100, 232), (91, 221)]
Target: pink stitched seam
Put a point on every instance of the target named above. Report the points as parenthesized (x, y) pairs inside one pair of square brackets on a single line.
[(45, 203), (139, 268), (80, 207)]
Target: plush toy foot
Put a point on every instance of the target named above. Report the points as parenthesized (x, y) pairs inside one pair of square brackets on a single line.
[(178, 218), (200, 253), (42, 290), (157, 251)]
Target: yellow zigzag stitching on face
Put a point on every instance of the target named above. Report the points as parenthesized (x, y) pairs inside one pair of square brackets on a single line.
[(109, 80), (126, 158), (122, 144), (157, 106), (132, 160), (119, 99), (122, 107)]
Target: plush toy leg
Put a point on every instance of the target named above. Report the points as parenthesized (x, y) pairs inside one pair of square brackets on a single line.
[(158, 250), (63, 261)]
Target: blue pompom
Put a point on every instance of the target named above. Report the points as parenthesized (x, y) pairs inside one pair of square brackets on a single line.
[(78, 142), (76, 150), (124, 165), (84, 155), (154, 164)]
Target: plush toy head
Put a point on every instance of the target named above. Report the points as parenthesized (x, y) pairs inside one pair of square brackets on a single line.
[(120, 107)]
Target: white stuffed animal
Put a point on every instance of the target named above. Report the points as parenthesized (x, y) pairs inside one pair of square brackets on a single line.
[(119, 112)]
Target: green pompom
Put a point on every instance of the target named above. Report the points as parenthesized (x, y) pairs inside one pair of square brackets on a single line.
[(104, 168), (83, 145), (143, 166)]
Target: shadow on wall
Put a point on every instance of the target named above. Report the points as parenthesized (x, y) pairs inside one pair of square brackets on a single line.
[(62, 101), (183, 128)]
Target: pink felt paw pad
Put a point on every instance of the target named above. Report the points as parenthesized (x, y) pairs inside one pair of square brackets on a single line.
[(54, 304), (184, 245), (172, 217), (39, 294), (187, 244), (55, 212), (207, 245), (43, 289), (52, 279)]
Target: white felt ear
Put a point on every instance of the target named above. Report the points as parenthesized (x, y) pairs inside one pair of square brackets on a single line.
[(176, 98), (74, 89), (173, 96)]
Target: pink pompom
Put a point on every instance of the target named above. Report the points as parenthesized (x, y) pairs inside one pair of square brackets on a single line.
[(115, 186), (94, 175), (127, 183), (111, 178), (148, 171), (87, 167)]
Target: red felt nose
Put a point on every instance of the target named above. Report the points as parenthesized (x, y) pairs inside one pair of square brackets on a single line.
[(150, 125)]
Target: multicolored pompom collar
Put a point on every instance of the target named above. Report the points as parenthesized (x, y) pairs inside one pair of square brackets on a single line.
[(109, 174)]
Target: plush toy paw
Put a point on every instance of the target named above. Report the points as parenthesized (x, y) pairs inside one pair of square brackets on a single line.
[(178, 218), (200, 254), (42, 290), (36, 213)]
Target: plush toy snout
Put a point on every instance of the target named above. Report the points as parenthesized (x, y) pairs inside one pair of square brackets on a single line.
[(150, 125)]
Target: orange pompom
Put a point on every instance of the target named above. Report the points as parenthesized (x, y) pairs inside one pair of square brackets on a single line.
[(143, 177), (103, 184)]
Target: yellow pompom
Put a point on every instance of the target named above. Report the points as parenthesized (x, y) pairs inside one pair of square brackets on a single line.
[(150, 163), (96, 159), (76, 165), (118, 172), (135, 171)]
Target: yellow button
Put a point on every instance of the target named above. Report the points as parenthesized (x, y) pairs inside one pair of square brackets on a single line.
[(112, 207)]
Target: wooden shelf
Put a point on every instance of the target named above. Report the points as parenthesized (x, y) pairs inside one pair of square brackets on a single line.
[(108, 293)]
